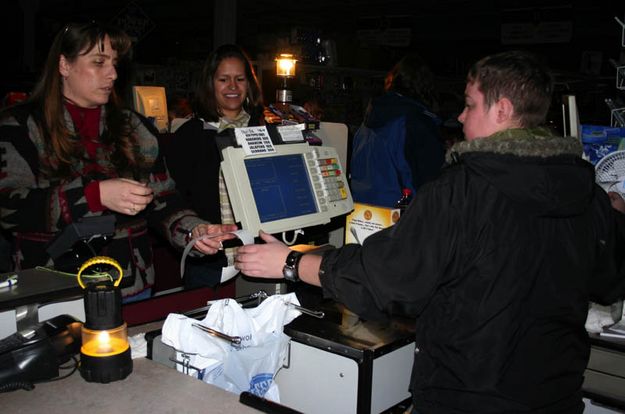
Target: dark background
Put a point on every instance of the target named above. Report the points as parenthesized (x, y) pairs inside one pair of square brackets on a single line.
[(362, 39)]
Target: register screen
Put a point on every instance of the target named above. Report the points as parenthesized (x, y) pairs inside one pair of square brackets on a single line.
[(281, 187)]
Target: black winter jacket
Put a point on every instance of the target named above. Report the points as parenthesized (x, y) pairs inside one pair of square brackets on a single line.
[(497, 259), (194, 158)]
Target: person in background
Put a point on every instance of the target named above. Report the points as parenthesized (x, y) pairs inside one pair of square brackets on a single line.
[(496, 259), (312, 101), (71, 152), (398, 145), (227, 96), (178, 112), (314, 106)]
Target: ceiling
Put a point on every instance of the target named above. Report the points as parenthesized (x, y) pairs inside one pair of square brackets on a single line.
[(447, 32)]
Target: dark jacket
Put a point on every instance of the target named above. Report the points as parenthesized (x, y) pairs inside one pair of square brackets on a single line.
[(193, 159), (497, 259), (397, 146)]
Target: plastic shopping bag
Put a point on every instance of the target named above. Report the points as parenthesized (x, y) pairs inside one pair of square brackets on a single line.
[(248, 366)]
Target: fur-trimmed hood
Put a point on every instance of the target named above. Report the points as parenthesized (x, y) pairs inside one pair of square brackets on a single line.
[(537, 142), (541, 173)]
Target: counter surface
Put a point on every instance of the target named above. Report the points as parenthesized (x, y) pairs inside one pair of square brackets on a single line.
[(38, 287), (151, 388)]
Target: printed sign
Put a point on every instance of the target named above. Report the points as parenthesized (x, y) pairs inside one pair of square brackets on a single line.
[(254, 140), (291, 133)]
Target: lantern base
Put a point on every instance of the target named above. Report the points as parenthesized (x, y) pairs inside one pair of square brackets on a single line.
[(106, 369)]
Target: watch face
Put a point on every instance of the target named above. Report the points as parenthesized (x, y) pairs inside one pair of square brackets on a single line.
[(288, 273)]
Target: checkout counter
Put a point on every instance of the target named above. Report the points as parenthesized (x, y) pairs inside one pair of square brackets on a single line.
[(151, 387), (343, 364), (337, 364), (37, 296), (604, 379)]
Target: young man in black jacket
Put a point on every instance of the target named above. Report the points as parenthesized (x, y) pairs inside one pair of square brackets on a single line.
[(496, 259)]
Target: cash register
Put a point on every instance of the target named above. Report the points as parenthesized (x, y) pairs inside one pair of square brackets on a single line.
[(335, 364)]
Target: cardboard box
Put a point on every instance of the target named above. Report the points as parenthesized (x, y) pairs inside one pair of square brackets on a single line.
[(367, 219)]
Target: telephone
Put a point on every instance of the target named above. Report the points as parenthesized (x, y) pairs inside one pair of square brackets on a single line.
[(35, 353)]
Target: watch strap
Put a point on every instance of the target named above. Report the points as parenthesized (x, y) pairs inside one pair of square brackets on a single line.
[(290, 270)]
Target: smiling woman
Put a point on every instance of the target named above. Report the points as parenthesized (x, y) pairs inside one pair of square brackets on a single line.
[(72, 152), (227, 96), (231, 86)]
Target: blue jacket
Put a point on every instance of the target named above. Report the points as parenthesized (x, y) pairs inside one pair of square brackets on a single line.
[(397, 146)]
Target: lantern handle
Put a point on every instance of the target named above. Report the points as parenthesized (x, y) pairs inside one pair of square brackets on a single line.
[(100, 260)]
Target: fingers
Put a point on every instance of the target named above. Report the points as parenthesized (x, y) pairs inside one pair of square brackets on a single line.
[(212, 244), (223, 230), (134, 182), (208, 246), (130, 188), (138, 196), (140, 191), (264, 260), (137, 204), (268, 238), (125, 196), (134, 190), (128, 180), (135, 209), (200, 230)]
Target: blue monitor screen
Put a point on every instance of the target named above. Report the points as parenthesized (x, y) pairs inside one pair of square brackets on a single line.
[(281, 187)]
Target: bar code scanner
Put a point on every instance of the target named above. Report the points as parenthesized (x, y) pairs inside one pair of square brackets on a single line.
[(35, 353)]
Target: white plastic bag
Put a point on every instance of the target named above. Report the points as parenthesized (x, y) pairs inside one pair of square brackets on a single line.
[(600, 316), (250, 366)]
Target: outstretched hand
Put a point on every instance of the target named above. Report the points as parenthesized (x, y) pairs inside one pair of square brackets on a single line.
[(125, 196), (213, 244), (262, 260)]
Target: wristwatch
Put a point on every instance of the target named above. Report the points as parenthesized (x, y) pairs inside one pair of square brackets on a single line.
[(289, 271)]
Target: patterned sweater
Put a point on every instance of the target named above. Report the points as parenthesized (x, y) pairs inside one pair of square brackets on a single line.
[(35, 206)]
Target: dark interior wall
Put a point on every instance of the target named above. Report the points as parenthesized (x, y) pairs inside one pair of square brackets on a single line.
[(450, 34), (444, 29)]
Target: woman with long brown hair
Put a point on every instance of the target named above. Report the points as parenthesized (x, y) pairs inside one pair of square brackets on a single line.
[(72, 152), (227, 96)]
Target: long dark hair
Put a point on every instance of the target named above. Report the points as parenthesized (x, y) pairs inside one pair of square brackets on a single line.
[(205, 104), (74, 40), (413, 78)]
